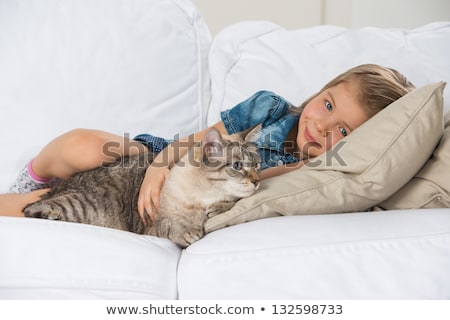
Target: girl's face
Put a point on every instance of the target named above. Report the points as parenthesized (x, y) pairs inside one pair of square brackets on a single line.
[(328, 118)]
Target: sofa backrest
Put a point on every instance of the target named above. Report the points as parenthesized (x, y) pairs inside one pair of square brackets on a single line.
[(123, 66)]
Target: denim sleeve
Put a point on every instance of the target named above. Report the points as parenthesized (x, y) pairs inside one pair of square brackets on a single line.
[(263, 107)]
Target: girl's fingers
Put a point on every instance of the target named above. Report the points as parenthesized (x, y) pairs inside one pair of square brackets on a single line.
[(145, 207), (149, 210), (155, 200), (141, 208), (148, 202)]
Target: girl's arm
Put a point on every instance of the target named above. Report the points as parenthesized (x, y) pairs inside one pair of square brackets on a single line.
[(158, 170), (12, 204)]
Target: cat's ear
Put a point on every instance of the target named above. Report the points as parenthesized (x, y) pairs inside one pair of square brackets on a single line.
[(212, 144), (250, 134)]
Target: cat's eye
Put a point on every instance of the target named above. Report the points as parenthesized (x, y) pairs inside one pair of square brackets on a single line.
[(237, 165)]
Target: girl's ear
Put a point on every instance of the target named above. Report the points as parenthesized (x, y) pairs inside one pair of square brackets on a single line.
[(212, 144)]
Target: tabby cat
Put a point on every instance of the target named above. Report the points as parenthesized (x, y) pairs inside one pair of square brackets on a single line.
[(208, 180)]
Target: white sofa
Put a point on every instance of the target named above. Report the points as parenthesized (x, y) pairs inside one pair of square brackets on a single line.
[(129, 67)]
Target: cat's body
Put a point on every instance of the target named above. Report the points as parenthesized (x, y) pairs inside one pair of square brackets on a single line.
[(208, 180)]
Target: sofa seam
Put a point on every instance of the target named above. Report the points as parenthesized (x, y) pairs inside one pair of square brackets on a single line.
[(331, 245)]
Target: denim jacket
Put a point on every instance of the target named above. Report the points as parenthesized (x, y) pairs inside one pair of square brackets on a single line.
[(276, 120), (264, 108)]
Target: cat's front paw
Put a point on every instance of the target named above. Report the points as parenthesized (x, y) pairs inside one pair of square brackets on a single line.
[(43, 211), (218, 208), (189, 237)]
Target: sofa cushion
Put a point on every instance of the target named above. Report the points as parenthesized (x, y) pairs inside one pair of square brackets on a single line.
[(363, 169), (43, 259), (369, 255), (124, 66), (430, 187)]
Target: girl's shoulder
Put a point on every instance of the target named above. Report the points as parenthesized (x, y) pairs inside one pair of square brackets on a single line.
[(263, 106)]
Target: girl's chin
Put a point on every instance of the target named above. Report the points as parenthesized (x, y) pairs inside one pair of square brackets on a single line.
[(311, 149)]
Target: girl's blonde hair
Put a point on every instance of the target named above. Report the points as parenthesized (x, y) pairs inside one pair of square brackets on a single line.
[(378, 86)]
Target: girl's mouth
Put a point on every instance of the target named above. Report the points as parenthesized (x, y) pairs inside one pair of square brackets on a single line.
[(311, 139)]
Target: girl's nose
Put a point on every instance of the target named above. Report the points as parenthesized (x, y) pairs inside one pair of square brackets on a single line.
[(320, 128)]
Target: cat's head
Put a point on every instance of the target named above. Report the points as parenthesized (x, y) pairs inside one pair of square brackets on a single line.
[(230, 163)]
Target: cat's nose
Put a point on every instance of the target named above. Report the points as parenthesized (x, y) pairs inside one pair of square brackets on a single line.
[(256, 184)]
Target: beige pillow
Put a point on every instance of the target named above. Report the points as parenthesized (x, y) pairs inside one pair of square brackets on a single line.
[(365, 168), (430, 187)]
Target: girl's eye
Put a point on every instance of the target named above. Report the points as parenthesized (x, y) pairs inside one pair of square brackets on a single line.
[(237, 165), (343, 132), (328, 105)]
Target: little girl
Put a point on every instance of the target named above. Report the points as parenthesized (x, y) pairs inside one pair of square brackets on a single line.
[(285, 136)]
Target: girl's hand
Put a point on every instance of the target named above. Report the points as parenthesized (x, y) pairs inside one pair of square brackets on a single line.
[(149, 193)]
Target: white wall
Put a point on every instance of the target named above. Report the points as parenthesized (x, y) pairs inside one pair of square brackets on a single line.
[(293, 14), (386, 13)]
